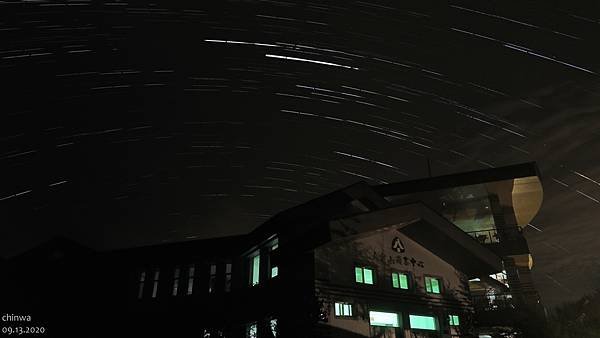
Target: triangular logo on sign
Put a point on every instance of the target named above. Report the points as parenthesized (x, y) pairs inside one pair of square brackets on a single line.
[(397, 245)]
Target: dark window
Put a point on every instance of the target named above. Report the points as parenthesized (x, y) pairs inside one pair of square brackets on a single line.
[(212, 280), (155, 284), (227, 277), (175, 281)]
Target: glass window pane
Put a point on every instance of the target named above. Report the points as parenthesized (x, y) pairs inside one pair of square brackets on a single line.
[(423, 322), (368, 276), (255, 269), (228, 268), (359, 275), (428, 284), (403, 281), (435, 285), (273, 325), (377, 318), (338, 309), (274, 271), (395, 282), (454, 320)]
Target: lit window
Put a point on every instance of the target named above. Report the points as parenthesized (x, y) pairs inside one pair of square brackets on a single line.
[(254, 269), (400, 280), (432, 285), (252, 330), (423, 322), (191, 271), (389, 319), (274, 268), (212, 279), (155, 286), (227, 277), (273, 326), (141, 284), (363, 275), (343, 310), (175, 281), (453, 319)]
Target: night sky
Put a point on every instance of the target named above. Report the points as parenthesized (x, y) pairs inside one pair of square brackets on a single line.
[(133, 123)]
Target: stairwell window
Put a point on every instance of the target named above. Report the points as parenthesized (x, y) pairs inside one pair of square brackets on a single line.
[(155, 284), (175, 281), (364, 275), (190, 286), (400, 280), (254, 264), (142, 280), (432, 284), (227, 277), (212, 279)]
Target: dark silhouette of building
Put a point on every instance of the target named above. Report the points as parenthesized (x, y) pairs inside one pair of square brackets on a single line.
[(437, 257)]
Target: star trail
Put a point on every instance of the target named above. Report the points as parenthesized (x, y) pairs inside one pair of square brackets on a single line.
[(132, 123)]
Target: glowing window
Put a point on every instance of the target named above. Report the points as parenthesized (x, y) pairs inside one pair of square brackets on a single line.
[(175, 281), (273, 326), (191, 270), (274, 268), (423, 322), (155, 286), (390, 319), (399, 280), (453, 319), (254, 269), (141, 284), (432, 285), (363, 275), (343, 310), (252, 330)]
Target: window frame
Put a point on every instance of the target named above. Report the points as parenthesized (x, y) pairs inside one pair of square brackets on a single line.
[(436, 319), (363, 267), (409, 279), (342, 315), (440, 281)]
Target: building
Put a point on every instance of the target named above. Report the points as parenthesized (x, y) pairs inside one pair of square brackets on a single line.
[(437, 257)]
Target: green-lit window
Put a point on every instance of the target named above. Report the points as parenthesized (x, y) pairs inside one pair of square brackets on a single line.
[(432, 285), (453, 319), (343, 310), (399, 280), (363, 275), (423, 322), (389, 319), (254, 269)]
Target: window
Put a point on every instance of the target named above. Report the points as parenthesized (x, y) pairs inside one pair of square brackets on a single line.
[(252, 330), (155, 286), (175, 281), (274, 268), (273, 326), (389, 319), (423, 322), (343, 310), (399, 280), (254, 269), (227, 277), (363, 275), (453, 319), (432, 285), (212, 279), (191, 271), (142, 280)]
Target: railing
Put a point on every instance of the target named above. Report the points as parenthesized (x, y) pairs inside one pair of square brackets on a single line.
[(490, 236)]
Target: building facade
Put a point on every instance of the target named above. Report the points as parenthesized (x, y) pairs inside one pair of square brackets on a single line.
[(437, 257)]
